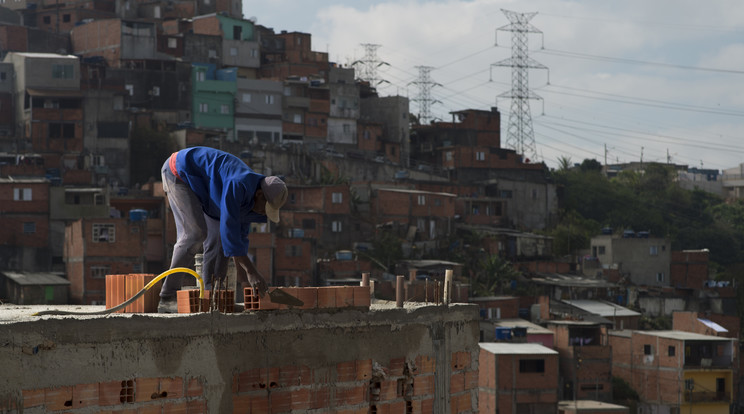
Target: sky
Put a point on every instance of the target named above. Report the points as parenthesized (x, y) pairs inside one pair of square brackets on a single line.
[(638, 80)]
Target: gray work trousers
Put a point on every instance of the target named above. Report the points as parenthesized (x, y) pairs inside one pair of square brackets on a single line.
[(195, 231)]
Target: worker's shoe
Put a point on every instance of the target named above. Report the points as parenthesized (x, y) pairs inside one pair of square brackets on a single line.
[(168, 304)]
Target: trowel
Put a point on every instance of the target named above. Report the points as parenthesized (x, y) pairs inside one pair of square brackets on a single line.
[(281, 297)]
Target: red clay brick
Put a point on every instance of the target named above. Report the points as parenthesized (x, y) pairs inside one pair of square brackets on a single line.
[(84, 395), (344, 296), (396, 367), (460, 360), (56, 399), (457, 383), (471, 380), (301, 399), (172, 387), (461, 403), (423, 385), (110, 393), (280, 401), (151, 408), (363, 369), (291, 375), (194, 388), (249, 380), (146, 389), (346, 371), (270, 376), (175, 408), (320, 397), (425, 364), (33, 398), (326, 297), (241, 404), (196, 407), (351, 395), (361, 297), (388, 390), (308, 295)]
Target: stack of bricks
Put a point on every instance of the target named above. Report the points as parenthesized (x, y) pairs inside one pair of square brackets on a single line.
[(138, 395), (313, 298), (189, 301), (119, 288)]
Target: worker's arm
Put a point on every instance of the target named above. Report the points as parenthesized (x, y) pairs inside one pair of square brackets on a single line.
[(247, 272)]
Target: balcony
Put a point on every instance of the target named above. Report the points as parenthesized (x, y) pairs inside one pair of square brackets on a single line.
[(707, 396)]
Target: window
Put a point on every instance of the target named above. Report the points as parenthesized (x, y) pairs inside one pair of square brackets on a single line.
[(233, 51), (61, 130), (337, 198), (601, 249), (671, 350), (505, 193), (653, 250), (3, 76), (438, 202), (99, 272), (212, 54), (660, 277), (365, 135), (22, 194), (237, 33), (531, 365), (203, 107), (647, 349), (480, 156), (347, 128), (29, 227), (297, 118), (155, 91), (336, 226), (534, 194), (308, 224), (246, 98), (269, 99), (448, 156), (224, 109), (66, 18), (62, 71), (422, 200), (47, 20), (254, 53), (104, 233), (293, 251), (130, 89), (172, 42)]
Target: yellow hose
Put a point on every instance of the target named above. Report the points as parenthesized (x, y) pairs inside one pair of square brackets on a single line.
[(135, 297)]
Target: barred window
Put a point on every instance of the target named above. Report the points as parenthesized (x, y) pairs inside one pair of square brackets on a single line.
[(104, 233)]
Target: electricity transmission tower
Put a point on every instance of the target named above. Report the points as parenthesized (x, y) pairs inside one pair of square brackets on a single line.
[(369, 65), (423, 98), (520, 136)]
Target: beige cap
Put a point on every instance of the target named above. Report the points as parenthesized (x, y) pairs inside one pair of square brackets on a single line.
[(276, 193)]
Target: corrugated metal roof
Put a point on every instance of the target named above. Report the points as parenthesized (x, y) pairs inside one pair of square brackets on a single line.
[(28, 279), (601, 308), (521, 323), (684, 336), (505, 348), (712, 325)]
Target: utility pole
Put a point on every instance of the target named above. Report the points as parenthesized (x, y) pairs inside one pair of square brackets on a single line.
[(425, 84), (520, 135), (369, 65)]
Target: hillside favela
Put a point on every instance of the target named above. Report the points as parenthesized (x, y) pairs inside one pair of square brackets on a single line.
[(417, 264)]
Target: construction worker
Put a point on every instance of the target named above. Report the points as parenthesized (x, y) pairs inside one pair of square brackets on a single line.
[(215, 197)]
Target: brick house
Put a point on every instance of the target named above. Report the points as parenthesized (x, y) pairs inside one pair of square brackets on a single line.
[(585, 359), (95, 248), (24, 224), (517, 378), (676, 371)]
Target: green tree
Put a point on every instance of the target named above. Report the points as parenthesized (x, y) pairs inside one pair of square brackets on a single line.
[(386, 249), (495, 274)]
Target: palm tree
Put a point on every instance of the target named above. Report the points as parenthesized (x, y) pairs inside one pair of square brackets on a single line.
[(495, 274)]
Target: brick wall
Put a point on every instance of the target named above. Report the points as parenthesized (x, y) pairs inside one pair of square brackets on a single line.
[(267, 361)]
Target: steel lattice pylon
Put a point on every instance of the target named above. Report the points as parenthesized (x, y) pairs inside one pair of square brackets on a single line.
[(520, 136), (369, 65), (423, 98)]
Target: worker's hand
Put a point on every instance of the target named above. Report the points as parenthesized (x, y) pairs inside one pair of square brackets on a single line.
[(258, 284)]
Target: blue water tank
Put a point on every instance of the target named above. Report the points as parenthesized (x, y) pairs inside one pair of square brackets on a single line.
[(137, 214), (503, 333)]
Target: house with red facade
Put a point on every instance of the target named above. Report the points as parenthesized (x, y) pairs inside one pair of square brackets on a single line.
[(585, 359), (517, 378), (24, 224), (676, 371)]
